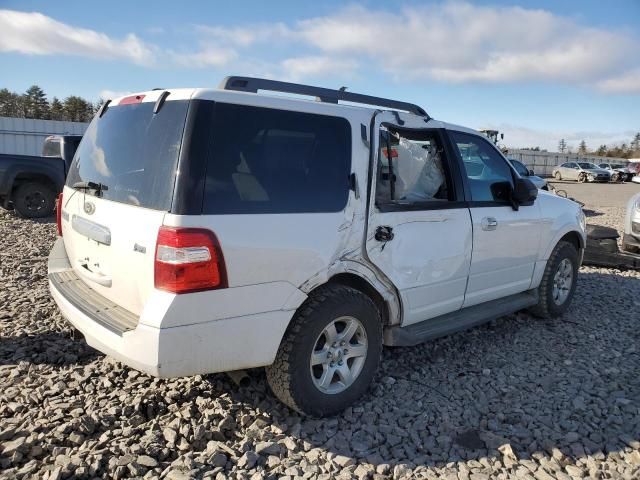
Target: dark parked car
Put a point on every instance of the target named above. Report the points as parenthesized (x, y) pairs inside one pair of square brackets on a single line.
[(29, 184)]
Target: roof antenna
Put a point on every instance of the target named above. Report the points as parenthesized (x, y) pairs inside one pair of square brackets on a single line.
[(343, 89)]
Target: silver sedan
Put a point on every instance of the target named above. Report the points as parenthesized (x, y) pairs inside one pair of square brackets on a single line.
[(581, 172)]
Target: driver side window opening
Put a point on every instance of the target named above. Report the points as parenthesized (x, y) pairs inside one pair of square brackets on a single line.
[(489, 176), (411, 169)]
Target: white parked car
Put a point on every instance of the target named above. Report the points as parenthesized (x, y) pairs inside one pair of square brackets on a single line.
[(631, 235), (581, 172), (211, 230)]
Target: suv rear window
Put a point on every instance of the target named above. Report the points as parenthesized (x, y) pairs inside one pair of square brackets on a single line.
[(275, 161), (133, 152)]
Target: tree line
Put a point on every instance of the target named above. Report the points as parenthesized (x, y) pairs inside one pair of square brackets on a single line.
[(34, 104), (625, 150)]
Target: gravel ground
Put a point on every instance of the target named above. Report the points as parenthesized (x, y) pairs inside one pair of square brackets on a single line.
[(517, 398)]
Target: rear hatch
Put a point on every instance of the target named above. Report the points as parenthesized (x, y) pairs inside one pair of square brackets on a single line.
[(119, 187)]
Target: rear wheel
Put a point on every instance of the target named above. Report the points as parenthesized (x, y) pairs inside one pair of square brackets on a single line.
[(558, 282), (34, 200), (558, 176), (330, 352)]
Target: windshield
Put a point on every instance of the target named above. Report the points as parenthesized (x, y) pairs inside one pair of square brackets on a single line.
[(587, 166), (133, 153)]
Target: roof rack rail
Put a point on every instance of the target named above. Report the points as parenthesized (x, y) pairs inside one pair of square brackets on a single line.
[(327, 95)]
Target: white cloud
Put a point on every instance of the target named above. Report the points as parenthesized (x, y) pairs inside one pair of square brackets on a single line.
[(298, 68), (36, 34), (460, 42), (245, 36), (208, 56), (627, 82)]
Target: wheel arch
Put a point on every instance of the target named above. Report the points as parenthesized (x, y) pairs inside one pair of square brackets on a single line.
[(27, 177), (362, 285), (574, 238), (358, 276)]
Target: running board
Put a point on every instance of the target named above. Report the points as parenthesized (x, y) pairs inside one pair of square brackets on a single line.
[(459, 320)]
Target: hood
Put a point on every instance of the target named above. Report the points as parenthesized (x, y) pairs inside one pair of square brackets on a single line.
[(596, 170)]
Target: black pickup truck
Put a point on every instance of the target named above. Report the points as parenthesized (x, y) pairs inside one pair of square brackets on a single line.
[(30, 184)]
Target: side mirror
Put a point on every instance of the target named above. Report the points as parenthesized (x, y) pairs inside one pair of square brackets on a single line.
[(531, 174), (524, 193)]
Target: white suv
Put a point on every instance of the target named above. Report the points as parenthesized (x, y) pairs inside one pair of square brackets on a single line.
[(210, 230)]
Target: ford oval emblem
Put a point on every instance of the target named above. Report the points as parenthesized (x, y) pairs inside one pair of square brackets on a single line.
[(89, 208)]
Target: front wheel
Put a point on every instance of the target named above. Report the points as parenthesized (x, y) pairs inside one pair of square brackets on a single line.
[(558, 282), (558, 176), (582, 177), (330, 352)]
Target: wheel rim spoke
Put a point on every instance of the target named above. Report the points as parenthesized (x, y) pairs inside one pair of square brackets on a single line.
[(355, 351), (350, 330), (327, 376), (319, 357), (345, 374), (331, 334)]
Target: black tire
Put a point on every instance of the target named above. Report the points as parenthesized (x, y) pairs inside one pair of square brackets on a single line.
[(34, 200), (290, 376), (547, 307), (582, 177), (558, 176)]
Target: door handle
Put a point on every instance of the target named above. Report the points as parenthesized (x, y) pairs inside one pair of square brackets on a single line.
[(489, 223), (384, 234)]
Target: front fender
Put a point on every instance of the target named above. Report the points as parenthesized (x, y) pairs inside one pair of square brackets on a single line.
[(560, 216)]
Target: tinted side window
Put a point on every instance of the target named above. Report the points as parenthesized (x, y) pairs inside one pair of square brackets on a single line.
[(275, 161), (489, 175)]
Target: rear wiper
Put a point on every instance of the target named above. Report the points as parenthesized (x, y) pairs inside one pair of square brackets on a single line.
[(98, 187)]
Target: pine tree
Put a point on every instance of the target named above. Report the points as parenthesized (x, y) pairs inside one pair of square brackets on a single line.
[(77, 109), (56, 109), (562, 145), (582, 148), (36, 105), (10, 104), (635, 144), (98, 105), (602, 150)]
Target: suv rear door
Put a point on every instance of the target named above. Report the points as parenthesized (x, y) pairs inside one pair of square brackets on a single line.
[(419, 228), (119, 187)]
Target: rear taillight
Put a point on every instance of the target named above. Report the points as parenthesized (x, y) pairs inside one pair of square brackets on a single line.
[(188, 260), (59, 214)]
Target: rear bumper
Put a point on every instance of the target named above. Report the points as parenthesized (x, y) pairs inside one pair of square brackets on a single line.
[(214, 346)]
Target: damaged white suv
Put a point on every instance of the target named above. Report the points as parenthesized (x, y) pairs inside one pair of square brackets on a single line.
[(211, 230)]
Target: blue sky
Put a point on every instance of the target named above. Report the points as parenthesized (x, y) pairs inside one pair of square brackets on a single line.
[(538, 70)]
